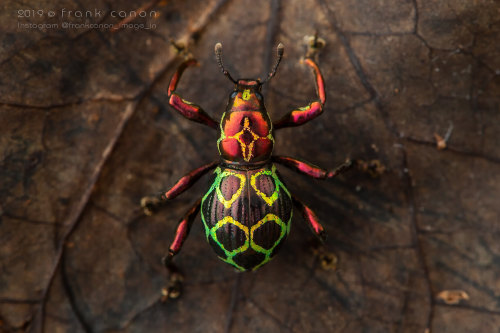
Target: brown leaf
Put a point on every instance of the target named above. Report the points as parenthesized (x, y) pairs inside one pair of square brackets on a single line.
[(86, 133)]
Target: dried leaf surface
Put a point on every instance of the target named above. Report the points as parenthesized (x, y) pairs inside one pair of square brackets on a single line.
[(86, 132)]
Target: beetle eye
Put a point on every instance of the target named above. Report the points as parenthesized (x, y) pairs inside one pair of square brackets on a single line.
[(233, 95)]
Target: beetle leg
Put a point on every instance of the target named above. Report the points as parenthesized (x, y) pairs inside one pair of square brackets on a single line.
[(190, 111), (173, 289), (152, 203), (311, 218), (303, 115), (328, 260), (311, 169)]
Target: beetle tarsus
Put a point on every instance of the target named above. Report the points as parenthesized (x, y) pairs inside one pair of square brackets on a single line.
[(312, 170), (151, 204), (348, 164), (374, 168), (180, 48), (328, 260), (167, 260), (322, 236), (314, 45), (174, 287)]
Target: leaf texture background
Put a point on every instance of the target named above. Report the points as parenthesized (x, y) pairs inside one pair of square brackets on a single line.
[(85, 132)]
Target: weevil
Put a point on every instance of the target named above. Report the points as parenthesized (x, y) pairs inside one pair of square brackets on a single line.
[(247, 210)]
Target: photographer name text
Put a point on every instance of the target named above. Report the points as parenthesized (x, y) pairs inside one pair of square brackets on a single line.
[(95, 13)]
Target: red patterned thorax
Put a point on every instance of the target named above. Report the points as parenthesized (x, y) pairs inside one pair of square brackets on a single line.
[(245, 129), (246, 137)]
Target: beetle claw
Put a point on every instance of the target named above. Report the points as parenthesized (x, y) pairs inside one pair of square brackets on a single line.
[(328, 260), (181, 48), (314, 45), (174, 288), (150, 205)]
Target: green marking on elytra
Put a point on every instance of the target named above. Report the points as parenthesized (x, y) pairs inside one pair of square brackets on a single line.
[(269, 217), (211, 232), (285, 229), (226, 173), (231, 262), (268, 199), (210, 190), (249, 238), (222, 133), (277, 185), (216, 185), (230, 254), (230, 220)]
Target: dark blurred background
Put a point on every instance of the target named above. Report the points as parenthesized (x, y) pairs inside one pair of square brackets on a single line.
[(413, 89)]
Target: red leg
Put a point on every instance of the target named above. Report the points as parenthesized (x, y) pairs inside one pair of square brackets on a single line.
[(150, 204), (188, 180), (190, 111), (182, 232), (302, 115), (311, 218), (310, 169), (174, 287)]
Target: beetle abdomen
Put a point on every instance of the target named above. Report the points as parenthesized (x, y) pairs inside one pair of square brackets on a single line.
[(247, 215)]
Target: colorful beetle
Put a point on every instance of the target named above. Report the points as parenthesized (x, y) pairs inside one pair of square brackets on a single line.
[(247, 209)]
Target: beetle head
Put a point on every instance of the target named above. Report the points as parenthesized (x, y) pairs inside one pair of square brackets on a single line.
[(246, 96), (247, 92)]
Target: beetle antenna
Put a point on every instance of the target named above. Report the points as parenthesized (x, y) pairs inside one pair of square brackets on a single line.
[(280, 49), (218, 55)]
